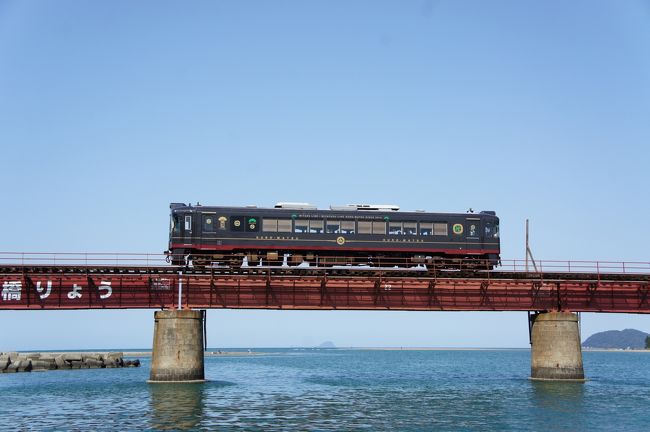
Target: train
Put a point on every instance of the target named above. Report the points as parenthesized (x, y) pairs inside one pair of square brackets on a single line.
[(295, 234)]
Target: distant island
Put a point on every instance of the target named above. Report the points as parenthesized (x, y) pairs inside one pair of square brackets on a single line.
[(618, 339), (327, 344)]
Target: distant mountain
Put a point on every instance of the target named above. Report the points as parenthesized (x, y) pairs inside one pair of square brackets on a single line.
[(327, 344), (628, 338)]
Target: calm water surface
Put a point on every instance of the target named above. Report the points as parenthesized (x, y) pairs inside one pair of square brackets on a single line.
[(339, 390)]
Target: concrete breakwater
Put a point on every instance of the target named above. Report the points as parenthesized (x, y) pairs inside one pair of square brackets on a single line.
[(28, 362)]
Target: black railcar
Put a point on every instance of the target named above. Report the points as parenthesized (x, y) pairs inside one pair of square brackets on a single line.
[(350, 234)]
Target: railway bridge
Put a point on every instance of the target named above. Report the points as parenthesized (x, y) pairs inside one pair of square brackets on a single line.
[(552, 292)]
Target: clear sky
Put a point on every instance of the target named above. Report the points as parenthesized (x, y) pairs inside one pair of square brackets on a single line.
[(109, 111)]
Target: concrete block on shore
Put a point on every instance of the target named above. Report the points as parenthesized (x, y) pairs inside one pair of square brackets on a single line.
[(40, 364), (114, 362), (25, 365), (60, 362), (76, 364), (91, 356), (26, 362), (73, 357), (94, 364)]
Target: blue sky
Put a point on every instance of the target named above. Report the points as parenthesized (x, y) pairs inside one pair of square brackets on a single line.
[(111, 110)]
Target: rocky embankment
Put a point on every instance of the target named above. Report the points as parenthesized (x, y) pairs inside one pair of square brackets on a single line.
[(28, 362)]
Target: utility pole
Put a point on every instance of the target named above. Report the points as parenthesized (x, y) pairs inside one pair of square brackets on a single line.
[(528, 252)]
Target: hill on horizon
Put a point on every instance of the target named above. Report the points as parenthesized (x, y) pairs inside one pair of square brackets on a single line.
[(621, 339), (327, 344)]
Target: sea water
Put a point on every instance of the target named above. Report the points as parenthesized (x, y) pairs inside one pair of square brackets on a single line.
[(338, 389)]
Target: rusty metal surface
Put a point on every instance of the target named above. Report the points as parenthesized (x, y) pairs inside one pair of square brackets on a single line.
[(157, 287)]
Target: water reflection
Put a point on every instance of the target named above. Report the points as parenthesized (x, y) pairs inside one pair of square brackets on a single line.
[(176, 406), (559, 405), (557, 394)]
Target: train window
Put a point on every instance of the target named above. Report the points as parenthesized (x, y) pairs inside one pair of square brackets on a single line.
[(491, 230), (188, 223), (410, 228), (237, 223), (395, 228), (333, 227), (426, 228), (440, 229), (252, 224), (176, 224), (284, 225), (365, 227), (347, 227), (208, 223), (301, 226), (269, 225), (379, 227), (316, 226), (222, 222)]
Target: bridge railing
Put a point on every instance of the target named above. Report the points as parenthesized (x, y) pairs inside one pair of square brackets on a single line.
[(89, 259), (576, 266), (104, 259)]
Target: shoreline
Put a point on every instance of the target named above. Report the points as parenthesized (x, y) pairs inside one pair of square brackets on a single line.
[(252, 352), (205, 353)]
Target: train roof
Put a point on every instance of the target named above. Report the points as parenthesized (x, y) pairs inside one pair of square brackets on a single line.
[(365, 209)]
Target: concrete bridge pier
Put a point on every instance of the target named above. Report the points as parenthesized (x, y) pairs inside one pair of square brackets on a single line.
[(556, 353), (177, 354)]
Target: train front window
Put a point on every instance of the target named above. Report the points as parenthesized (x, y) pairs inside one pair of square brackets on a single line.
[(333, 227), (176, 224), (491, 230)]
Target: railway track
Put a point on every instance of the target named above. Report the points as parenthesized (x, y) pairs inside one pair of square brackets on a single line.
[(415, 272)]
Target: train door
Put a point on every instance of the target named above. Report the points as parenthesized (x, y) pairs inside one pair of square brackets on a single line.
[(186, 231), (473, 234)]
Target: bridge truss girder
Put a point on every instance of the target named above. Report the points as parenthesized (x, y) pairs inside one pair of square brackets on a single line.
[(153, 290)]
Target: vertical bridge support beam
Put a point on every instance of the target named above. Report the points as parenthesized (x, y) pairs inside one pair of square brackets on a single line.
[(177, 354), (556, 353)]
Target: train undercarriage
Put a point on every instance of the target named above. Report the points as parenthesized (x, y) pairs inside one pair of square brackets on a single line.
[(287, 259)]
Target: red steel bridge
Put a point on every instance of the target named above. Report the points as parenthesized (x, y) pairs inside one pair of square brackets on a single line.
[(119, 281)]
